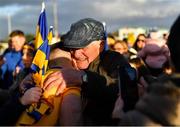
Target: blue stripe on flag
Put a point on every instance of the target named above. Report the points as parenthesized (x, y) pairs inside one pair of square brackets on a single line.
[(42, 23)]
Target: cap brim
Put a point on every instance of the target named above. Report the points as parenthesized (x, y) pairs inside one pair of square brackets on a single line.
[(75, 45)]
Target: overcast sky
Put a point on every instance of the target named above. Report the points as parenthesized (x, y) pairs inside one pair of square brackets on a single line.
[(116, 13)]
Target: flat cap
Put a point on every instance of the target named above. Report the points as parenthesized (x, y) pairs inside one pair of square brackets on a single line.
[(83, 32)]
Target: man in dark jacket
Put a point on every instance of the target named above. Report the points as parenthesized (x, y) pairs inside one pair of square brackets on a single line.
[(96, 71)]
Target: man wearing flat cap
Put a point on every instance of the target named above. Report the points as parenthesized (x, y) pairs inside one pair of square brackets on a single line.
[(97, 72)]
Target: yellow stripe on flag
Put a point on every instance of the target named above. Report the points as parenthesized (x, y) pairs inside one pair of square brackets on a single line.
[(39, 59), (38, 39)]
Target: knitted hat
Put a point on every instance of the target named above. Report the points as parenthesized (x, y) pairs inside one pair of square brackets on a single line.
[(155, 53)]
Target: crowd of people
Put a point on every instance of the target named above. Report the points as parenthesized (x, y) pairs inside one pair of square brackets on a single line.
[(86, 84)]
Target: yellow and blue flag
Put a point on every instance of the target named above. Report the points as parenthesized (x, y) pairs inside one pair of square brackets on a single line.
[(50, 35), (41, 29), (39, 66), (49, 38), (40, 61)]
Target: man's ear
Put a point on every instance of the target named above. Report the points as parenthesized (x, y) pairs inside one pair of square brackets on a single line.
[(102, 45)]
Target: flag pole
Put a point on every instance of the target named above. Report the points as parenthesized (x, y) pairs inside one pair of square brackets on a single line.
[(43, 7)]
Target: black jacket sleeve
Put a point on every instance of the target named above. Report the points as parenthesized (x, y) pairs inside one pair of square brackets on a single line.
[(96, 87), (4, 96), (10, 112)]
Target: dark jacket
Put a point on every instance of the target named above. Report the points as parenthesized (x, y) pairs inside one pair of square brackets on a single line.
[(12, 108), (159, 106), (6, 94), (101, 91), (11, 111)]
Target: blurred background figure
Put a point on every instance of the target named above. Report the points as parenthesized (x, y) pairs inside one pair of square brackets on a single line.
[(28, 53), (155, 55), (150, 62), (156, 58), (110, 41), (12, 58), (121, 47), (140, 42), (160, 104), (17, 40), (130, 39), (137, 46)]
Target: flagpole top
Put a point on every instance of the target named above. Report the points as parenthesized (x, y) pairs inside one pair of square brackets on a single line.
[(104, 24), (43, 6)]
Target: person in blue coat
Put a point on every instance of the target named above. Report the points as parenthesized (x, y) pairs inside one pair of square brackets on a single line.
[(11, 58)]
